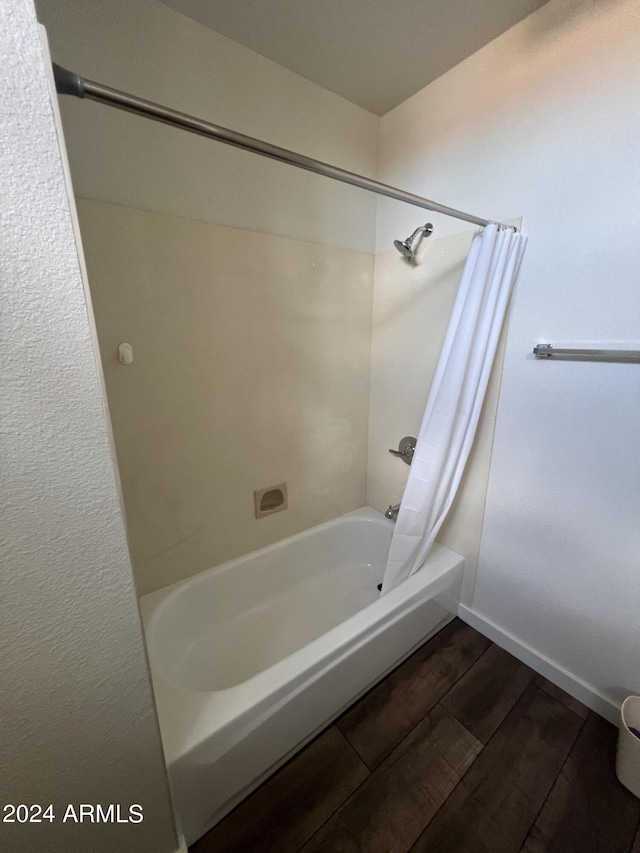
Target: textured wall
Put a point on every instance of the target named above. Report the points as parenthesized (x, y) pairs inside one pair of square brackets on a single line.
[(78, 722), (153, 51), (251, 367), (545, 122)]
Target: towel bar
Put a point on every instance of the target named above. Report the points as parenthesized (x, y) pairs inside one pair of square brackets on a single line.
[(549, 351)]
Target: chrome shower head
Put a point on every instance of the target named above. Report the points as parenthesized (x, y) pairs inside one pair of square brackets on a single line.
[(404, 248), (408, 247)]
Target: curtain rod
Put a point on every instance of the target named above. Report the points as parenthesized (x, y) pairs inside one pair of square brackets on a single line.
[(70, 83)]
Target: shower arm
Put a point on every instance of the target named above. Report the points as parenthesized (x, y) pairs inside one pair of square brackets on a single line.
[(422, 229), (70, 83)]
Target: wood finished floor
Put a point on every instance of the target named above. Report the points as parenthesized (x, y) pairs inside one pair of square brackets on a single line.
[(461, 749)]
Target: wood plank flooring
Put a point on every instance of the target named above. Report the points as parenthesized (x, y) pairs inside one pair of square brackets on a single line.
[(461, 749)]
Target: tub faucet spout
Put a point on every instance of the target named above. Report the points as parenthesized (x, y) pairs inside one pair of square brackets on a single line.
[(392, 512)]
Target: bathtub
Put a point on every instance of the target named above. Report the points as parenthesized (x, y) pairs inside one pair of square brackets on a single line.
[(251, 659)]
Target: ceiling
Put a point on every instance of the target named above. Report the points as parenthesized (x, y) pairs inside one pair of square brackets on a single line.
[(375, 53)]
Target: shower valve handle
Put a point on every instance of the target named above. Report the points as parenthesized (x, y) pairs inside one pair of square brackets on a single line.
[(405, 449), (407, 452)]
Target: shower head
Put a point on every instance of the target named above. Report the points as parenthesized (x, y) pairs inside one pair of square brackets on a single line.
[(408, 247), (404, 248)]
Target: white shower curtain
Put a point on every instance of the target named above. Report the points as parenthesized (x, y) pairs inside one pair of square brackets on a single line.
[(455, 400)]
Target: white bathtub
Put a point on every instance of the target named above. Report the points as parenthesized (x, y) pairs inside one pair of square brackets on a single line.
[(252, 658)]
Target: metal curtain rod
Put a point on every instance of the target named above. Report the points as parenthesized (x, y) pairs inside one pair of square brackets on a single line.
[(70, 83)]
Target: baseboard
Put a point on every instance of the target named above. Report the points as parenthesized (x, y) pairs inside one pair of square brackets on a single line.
[(568, 682)]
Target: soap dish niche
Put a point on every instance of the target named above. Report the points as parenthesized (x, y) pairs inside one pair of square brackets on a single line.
[(270, 499)]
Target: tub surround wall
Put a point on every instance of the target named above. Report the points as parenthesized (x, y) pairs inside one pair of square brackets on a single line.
[(545, 122), (411, 309), (251, 367), (155, 52), (78, 719)]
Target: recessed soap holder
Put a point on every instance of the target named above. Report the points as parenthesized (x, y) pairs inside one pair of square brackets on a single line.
[(270, 500)]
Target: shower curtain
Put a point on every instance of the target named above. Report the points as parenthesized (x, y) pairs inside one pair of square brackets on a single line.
[(455, 400)]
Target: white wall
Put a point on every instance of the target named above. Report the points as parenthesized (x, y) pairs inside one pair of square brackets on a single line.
[(545, 122), (78, 721), (155, 52)]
